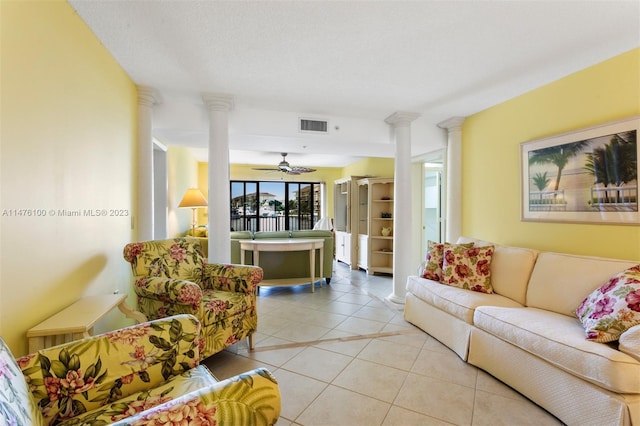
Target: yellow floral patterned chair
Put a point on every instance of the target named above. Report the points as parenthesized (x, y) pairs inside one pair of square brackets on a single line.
[(147, 374), (172, 277)]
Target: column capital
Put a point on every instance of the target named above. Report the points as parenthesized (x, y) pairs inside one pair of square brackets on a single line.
[(401, 118), (218, 101), (148, 96), (452, 124)]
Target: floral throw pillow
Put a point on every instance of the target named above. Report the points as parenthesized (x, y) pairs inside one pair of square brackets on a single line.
[(613, 308), (468, 268), (435, 258)]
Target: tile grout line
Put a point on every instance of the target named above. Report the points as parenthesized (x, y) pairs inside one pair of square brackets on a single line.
[(336, 339)]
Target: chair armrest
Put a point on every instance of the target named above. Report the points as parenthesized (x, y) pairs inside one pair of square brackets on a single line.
[(249, 398), (91, 372), (169, 290), (234, 278)]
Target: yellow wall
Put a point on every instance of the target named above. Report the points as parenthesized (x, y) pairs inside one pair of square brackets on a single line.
[(182, 175), (68, 135), (491, 169), (378, 167)]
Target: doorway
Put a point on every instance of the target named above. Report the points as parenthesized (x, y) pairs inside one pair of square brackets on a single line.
[(433, 206), (431, 218)]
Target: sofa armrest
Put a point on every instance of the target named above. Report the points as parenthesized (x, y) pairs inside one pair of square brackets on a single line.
[(234, 278), (85, 374), (249, 398)]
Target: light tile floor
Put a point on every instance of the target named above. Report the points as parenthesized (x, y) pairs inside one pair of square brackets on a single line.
[(344, 356)]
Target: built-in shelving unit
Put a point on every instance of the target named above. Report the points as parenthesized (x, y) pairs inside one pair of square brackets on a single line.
[(375, 218)]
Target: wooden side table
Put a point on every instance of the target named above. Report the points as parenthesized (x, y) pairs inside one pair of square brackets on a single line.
[(77, 320)]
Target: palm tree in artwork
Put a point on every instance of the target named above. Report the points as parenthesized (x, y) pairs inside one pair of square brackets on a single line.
[(541, 181), (616, 162), (557, 155)]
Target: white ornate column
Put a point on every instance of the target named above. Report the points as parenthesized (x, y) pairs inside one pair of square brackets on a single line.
[(147, 99), (219, 106), (402, 233), (453, 209)]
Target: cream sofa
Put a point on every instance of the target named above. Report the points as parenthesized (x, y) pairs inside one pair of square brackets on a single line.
[(526, 334)]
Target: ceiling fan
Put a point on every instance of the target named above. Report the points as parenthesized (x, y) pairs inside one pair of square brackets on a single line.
[(284, 167)]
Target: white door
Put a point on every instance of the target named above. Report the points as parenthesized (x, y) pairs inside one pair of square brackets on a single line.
[(432, 205)]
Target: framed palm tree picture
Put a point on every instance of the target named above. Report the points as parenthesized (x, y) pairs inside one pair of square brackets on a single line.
[(585, 176)]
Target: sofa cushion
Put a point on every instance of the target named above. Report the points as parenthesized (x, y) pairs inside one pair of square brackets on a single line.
[(17, 405), (510, 268), (612, 308), (222, 305), (312, 233), (455, 301), (271, 234), (189, 381), (199, 231), (559, 282), (629, 342), (468, 268), (559, 340), (435, 259), (182, 259)]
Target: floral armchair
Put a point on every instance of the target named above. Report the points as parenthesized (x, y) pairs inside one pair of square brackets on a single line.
[(147, 374), (172, 277)]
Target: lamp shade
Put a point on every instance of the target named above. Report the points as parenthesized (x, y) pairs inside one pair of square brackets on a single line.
[(193, 198)]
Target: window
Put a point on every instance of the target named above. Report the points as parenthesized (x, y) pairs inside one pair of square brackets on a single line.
[(274, 206)]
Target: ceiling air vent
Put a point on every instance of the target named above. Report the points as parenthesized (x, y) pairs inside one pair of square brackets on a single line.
[(314, 126)]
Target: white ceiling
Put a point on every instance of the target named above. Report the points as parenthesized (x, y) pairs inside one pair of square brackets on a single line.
[(351, 62)]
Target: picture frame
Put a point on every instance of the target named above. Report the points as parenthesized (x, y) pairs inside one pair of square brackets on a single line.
[(583, 176)]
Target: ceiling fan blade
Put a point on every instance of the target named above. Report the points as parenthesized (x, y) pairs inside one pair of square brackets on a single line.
[(285, 167), (299, 170)]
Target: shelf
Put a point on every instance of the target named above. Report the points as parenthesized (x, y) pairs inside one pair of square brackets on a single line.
[(376, 196)]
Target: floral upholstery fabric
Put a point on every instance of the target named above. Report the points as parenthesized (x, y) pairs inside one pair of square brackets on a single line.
[(146, 374), (246, 399), (71, 379), (468, 268), (435, 259), (172, 277), (187, 382), (17, 405), (612, 308), (177, 259)]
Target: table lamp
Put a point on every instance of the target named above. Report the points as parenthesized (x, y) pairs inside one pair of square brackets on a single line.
[(193, 198)]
